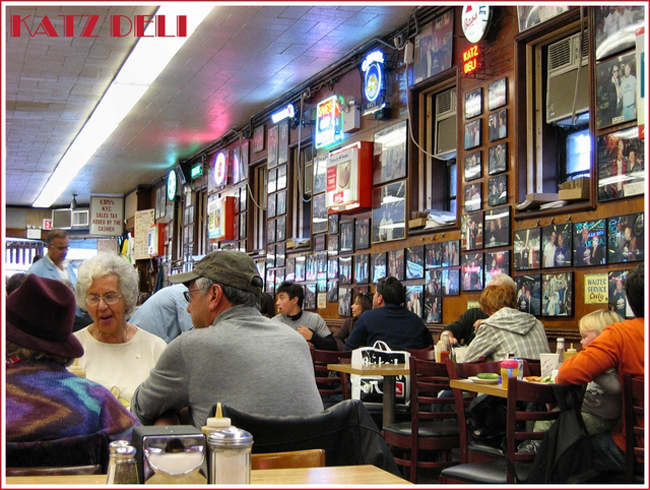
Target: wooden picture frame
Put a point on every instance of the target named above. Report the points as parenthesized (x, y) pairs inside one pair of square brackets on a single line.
[(557, 294)]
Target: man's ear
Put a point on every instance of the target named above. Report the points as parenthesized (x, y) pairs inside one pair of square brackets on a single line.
[(216, 295)]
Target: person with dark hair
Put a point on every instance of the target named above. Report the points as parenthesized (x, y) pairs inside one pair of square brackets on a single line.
[(390, 321), (267, 305), (620, 346), (310, 325), (14, 282), (362, 302), (44, 399), (234, 355)]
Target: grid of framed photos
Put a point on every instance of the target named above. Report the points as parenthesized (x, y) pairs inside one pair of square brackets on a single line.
[(442, 274)]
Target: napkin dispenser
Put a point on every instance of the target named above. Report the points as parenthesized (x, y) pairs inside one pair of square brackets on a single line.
[(170, 454)]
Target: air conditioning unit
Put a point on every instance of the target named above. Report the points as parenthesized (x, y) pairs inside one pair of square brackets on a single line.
[(562, 72), (66, 219), (445, 129), (80, 218)]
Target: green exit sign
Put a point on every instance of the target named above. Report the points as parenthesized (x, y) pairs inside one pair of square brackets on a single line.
[(197, 171)]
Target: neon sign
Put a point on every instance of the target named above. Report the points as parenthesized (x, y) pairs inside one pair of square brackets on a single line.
[(328, 122), (470, 59), (220, 169), (373, 82)]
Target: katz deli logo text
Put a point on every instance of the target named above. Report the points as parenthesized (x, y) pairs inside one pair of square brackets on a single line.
[(120, 26)]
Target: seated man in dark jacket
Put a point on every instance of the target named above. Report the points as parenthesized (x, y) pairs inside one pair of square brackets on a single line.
[(390, 321)]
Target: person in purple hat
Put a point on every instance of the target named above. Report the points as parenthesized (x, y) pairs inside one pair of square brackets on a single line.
[(44, 400)]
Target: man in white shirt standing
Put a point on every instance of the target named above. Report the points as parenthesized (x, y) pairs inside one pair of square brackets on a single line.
[(54, 265)]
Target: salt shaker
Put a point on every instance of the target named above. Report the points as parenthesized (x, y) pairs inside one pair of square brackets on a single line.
[(230, 456), (112, 447), (126, 472)]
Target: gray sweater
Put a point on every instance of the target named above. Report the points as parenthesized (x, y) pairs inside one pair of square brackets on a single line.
[(322, 339), (243, 360)]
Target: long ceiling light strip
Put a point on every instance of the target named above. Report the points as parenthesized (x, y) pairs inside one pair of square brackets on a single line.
[(148, 59)]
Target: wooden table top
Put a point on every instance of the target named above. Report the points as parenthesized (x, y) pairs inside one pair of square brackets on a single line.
[(330, 475), (467, 385), (371, 369)]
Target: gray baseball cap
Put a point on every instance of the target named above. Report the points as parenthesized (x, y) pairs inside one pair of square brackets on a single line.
[(229, 267)]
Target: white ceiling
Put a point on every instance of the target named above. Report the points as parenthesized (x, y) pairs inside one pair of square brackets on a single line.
[(239, 61)]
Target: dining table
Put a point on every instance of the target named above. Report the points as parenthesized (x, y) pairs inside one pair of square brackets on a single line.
[(327, 476), (389, 372), (495, 389)]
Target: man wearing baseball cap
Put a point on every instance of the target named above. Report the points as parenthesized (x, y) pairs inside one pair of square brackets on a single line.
[(234, 355)]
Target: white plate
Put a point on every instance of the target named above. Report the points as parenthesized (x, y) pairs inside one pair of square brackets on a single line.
[(476, 379)]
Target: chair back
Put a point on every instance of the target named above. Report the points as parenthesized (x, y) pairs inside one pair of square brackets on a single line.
[(428, 354), (331, 382), (633, 392), (307, 458)]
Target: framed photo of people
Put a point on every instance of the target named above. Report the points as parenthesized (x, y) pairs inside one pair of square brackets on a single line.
[(390, 153), (497, 158), (621, 164), (471, 270), (310, 297), (378, 266), (332, 267), (496, 263), (589, 243), (433, 47), (319, 242), (414, 299), (433, 282), (450, 282), (345, 270), (270, 256), (415, 262), (529, 293), (497, 94), (526, 249), (617, 299), (362, 268), (345, 301), (272, 155), (301, 261), (270, 282), (497, 227), (258, 139), (281, 230), (433, 309), (389, 212), (333, 221), (272, 181), (281, 203), (280, 254), (473, 169), (245, 157), (473, 103), (498, 190), (557, 294), (396, 264), (616, 81), (332, 291), (320, 173), (433, 255), (472, 134), (346, 232), (557, 246), (319, 214), (616, 26), (498, 125), (473, 197), (450, 257), (283, 142), (362, 233), (290, 269), (270, 205), (332, 244), (625, 238), (282, 177), (472, 231), (270, 231)]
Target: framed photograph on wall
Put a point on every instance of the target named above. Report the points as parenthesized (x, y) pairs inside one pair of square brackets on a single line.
[(589, 243), (280, 254), (497, 158), (270, 231), (281, 203), (345, 301), (473, 169), (615, 28), (473, 197), (473, 103), (258, 139), (471, 269), (389, 212), (415, 262), (272, 156), (531, 15), (245, 158), (557, 246), (283, 142), (625, 238), (378, 266), (319, 242), (270, 256), (243, 198), (433, 282), (529, 293), (345, 270), (450, 282), (472, 231), (320, 173), (362, 233), (272, 181), (497, 227), (450, 250), (346, 232), (414, 298), (270, 282), (498, 190), (281, 231), (332, 291), (332, 267), (472, 134), (617, 300), (497, 93), (333, 220), (396, 264), (498, 125), (301, 262), (433, 310), (319, 214), (527, 249), (620, 164), (310, 267), (243, 225), (282, 177), (332, 244), (290, 270), (557, 294), (496, 263), (616, 81), (433, 255), (390, 153), (362, 268), (433, 47), (310, 297), (270, 206)]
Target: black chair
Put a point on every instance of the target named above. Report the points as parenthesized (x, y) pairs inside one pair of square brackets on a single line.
[(633, 389), (345, 431)]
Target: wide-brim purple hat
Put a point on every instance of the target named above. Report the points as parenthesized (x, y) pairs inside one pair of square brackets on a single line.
[(40, 316)]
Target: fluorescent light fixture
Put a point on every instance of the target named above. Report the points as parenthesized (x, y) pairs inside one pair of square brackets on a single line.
[(148, 59), (287, 112)]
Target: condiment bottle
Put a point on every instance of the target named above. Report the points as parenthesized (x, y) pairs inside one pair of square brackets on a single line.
[(509, 369), (570, 352), (445, 348), (230, 456), (126, 472), (217, 422), (559, 349), (112, 447)]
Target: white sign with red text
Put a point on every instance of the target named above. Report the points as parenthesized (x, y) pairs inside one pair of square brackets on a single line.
[(106, 216)]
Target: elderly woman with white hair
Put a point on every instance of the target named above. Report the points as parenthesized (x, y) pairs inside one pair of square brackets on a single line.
[(117, 354)]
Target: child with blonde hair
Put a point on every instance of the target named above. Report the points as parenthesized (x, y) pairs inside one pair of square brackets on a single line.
[(601, 407)]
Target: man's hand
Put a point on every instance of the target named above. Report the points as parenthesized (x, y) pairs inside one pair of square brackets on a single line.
[(477, 323), (305, 332), (452, 340)]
